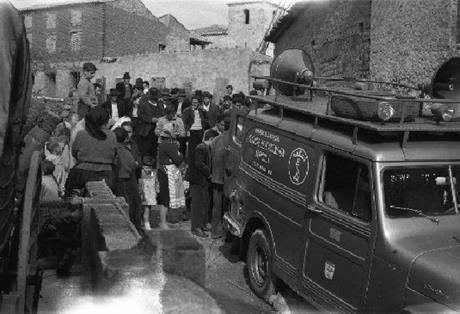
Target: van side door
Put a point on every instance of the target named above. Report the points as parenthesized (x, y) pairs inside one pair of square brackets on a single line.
[(336, 260), (232, 160)]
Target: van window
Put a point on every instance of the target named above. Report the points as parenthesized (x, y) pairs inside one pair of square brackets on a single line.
[(345, 186), (238, 136)]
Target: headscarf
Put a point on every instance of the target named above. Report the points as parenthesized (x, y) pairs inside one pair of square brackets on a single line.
[(94, 120)]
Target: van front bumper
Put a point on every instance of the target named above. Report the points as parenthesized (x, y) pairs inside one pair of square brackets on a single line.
[(231, 225)]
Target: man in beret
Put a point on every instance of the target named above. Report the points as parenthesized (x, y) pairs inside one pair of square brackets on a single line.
[(125, 89), (86, 93)]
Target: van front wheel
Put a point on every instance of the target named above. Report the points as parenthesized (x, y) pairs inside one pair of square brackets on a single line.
[(259, 263)]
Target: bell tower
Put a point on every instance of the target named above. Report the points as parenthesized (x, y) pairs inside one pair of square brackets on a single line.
[(248, 21)]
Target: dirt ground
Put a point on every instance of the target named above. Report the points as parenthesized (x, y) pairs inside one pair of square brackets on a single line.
[(226, 282)]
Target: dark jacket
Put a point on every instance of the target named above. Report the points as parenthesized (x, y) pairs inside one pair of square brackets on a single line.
[(188, 116), (212, 116), (200, 170), (218, 155), (146, 111), (121, 89), (134, 150), (126, 165), (168, 154), (99, 154), (123, 109)]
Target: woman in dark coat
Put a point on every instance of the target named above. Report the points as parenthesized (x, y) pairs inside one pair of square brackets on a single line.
[(127, 185), (168, 155), (94, 149)]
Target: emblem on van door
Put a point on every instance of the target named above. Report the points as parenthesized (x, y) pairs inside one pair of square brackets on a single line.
[(298, 166), (335, 234), (329, 270)]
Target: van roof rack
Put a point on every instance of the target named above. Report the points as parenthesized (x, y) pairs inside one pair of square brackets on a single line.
[(320, 109)]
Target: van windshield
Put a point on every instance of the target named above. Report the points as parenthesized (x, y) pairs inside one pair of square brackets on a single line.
[(420, 191)]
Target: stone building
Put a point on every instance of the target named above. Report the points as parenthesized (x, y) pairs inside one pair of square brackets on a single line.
[(405, 41), (248, 23), (179, 38), (123, 36), (87, 30), (217, 35)]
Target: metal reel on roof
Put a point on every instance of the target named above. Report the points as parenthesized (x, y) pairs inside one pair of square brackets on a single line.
[(292, 65)]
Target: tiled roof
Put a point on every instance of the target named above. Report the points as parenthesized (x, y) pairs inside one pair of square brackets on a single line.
[(211, 30), (50, 5)]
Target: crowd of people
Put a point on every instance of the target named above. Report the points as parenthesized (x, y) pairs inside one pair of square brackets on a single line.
[(157, 148)]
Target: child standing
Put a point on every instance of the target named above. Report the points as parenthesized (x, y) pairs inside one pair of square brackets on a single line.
[(149, 188), (49, 190), (127, 185), (54, 153)]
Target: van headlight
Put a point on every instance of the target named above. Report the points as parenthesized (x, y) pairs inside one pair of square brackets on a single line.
[(385, 111), (442, 112)]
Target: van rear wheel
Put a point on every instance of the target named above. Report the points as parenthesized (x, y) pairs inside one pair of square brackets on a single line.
[(259, 263)]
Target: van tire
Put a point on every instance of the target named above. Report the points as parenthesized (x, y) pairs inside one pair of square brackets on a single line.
[(259, 261)]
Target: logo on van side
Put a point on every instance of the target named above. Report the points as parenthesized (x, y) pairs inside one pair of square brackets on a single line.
[(298, 166)]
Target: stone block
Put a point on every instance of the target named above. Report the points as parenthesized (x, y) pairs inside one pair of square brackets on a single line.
[(181, 254), (118, 266)]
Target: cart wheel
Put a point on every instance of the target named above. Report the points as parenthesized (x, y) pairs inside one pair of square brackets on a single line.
[(27, 272)]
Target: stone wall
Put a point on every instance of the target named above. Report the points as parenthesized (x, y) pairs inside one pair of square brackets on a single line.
[(129, 33), (220, 41), (335, 33), (410, 39), (178, 38), (203, 69), (90, 26)]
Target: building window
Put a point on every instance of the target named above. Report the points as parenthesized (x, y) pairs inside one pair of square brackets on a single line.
[(51, 43), (75, 17), (75, 40), (28, 21), (51, 20), (161, 47), (246, 16)]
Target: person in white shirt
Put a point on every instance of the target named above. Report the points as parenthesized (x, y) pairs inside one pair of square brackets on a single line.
[(114, 107), (146, 86), (193, 118)]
